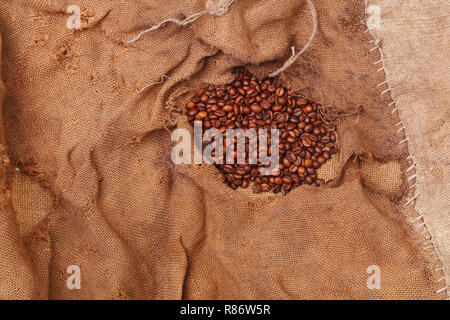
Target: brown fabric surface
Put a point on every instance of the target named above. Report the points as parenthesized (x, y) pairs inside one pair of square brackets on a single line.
[(421, 89), (140, 227), (16, 275)]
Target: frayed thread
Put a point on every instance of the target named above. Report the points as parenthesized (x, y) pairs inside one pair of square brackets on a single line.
[(219, 8), (212, 8), (295, 56), (153, 83)]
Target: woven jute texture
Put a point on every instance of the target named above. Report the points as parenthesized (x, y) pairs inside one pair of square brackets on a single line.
[(87, 180), (420, 87)]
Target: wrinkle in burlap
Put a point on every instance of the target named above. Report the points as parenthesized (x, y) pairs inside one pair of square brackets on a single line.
[(91, 182)]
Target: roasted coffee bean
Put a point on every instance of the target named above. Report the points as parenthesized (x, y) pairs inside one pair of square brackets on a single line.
[(285, 189), (308, 128), (306, 142), (277, 188), (280, 91), (301, 170), (265, 104), (228, 108), (308, 163), (201, 92), (290, 139), (256, 108), (287, 179), (308, 109), (277, 107), (286, 162), (321, 159), (191, 105), (276, 172), (278, 180), (301, 102), (282, 100), (202, 114), (292, 157), (316, 131)]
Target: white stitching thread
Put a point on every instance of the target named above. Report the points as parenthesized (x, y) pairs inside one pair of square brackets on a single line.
[(413, 185), (411, 200), (386, 91), (382, 83), (417, 219), (443, 289), (421, 225)]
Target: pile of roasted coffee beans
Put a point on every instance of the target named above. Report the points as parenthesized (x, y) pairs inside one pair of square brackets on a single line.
[(305, 143)]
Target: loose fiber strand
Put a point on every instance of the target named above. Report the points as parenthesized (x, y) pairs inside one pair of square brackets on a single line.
[(294, 56), (212, 8), (153, 83)]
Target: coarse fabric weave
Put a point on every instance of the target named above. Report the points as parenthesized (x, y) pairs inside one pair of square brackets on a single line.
[(87, 178), (419, 81)]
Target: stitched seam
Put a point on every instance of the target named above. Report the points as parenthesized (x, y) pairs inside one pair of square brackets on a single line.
[(429, 243)]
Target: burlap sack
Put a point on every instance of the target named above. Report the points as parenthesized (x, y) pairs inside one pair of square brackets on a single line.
[(415, 41), (88, 179)]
